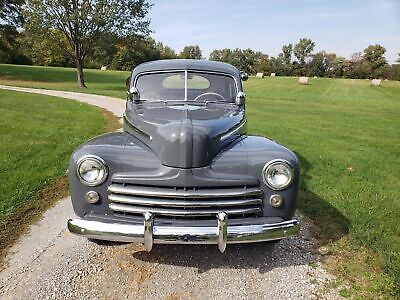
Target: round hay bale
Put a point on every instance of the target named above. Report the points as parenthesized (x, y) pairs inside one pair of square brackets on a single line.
[(260, 75), (376, 82), (303, 80)]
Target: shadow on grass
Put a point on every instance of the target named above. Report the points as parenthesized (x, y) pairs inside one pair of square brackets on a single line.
[(329, 223)]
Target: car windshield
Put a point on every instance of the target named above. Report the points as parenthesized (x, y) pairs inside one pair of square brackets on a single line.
[(187, 86)]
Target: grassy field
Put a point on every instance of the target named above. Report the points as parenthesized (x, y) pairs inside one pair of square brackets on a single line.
[(347, 136), (38, 134), (109, 83)]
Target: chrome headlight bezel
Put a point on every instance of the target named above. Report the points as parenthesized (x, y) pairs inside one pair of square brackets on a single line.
[(97, 160), (269, 167)]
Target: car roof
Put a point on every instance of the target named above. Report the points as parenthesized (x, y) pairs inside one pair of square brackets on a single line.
[(186, 64)]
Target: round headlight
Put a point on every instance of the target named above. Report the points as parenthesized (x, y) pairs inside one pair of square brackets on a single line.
[(278, 174), (92, 170)]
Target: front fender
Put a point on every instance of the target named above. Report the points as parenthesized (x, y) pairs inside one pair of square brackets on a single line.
[(249, 157), (121, 152)]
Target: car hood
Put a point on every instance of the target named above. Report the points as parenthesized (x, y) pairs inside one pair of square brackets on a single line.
[(185, 135)]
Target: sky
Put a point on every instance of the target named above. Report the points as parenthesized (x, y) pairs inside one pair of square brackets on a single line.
[(339, 26)]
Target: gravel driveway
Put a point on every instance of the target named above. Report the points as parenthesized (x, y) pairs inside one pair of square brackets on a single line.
[(50, 263)]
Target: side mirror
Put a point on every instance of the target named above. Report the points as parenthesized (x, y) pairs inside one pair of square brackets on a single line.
[(133, 94), (240, 97), (244, 76)]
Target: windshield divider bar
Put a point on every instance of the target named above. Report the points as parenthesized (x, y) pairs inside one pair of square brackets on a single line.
[(186, 84)]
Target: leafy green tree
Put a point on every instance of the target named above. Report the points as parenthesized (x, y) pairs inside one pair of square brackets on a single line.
[(318, 65), (11, 50), (191, 52), (10, 19), (246, 60), (357, 67), (103, 51), (165, 51), (374, 55), (302, 50), (83, 22), (275, 65), (132, 53), (224, 55), (10, 12), (287, 51), (43, 51), (337, 66)]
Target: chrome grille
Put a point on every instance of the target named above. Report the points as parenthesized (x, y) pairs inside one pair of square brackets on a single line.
[(176, 202)]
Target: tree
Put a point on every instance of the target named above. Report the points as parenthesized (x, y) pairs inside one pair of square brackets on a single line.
[(165, 51), (275, 65), (246, 60), (318, 65), (133, 51), (10, 19), (287, 51), (398, 59), (338, 64), (302, 50), (224, 55), (192, 52), (43, 51), (11, 51), (83, 22), (10, 12), (374, 56)]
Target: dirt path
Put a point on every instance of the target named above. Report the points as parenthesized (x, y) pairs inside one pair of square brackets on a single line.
[(50, 263)]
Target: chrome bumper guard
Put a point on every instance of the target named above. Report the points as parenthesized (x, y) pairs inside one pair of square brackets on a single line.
[(148, 233)]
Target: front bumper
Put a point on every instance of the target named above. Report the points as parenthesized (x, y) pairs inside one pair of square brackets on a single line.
[(149, 233)]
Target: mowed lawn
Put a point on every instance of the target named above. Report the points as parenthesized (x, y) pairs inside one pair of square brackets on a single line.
[(37, 136), (109, 83), (347, 136)]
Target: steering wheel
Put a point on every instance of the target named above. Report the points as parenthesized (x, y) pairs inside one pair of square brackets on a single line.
[(209, 93)]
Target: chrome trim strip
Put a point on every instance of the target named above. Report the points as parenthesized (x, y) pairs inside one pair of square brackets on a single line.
[(233, 131), (135, 200), (186, 84), (180, 212), (168, 193), (123, 232), (222, 218), (148, 230)]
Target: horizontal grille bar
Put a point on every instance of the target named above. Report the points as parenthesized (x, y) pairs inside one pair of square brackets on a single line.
[(181, 212), (133, 200), (171, 193)]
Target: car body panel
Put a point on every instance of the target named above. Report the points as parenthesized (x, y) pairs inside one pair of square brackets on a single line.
[(185, 148)]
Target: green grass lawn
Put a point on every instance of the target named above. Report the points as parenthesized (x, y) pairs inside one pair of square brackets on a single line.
[(38, 134), (109, 83), (347, 136)]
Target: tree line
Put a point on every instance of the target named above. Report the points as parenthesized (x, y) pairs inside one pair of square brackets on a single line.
[(300, 60), (116, 34)]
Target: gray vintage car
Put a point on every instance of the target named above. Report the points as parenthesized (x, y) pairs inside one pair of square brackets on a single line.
[(184, 170)]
